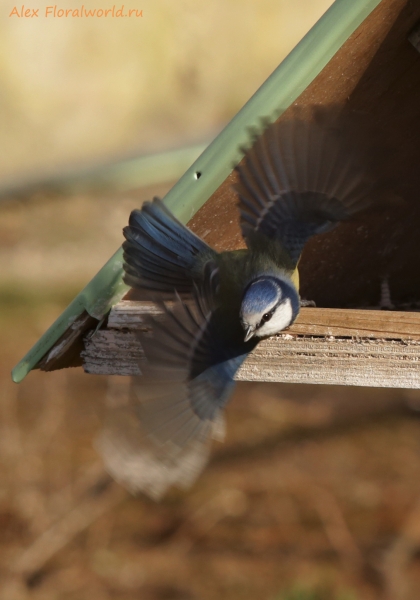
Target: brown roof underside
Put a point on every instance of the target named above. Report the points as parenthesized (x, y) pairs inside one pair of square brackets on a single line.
[(376, 71)]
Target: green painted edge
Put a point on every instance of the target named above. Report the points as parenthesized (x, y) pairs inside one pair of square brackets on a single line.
[(278, 92)]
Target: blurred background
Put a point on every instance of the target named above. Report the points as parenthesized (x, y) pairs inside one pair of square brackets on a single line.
[(316, 493)]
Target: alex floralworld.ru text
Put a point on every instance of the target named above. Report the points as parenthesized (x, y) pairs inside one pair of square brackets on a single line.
[(54, 11)]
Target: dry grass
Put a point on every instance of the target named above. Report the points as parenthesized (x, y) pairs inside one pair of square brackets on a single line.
[(315, 489)]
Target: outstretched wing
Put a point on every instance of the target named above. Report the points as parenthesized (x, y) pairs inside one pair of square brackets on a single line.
[(160, 253), (301, 177), (186, 382), (190, 367)]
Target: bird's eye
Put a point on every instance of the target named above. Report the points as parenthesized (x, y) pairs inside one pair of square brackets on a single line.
[(266, 317)]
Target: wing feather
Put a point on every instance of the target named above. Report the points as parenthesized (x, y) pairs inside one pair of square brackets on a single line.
[(160, 253), (302, 176), (163, 439)]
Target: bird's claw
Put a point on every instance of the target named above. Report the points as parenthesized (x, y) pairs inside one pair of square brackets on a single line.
[(306, 303)]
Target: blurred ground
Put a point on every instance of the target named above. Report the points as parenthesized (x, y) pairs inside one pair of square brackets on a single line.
[(314, 496), (316, 493)]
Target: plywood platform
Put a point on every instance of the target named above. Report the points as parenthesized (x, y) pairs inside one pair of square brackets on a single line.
[(330, 346)]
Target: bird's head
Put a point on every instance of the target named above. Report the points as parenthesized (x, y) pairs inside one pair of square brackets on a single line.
[(269, 305)]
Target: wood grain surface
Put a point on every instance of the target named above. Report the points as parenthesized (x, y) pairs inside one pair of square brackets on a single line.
[(329, 346)]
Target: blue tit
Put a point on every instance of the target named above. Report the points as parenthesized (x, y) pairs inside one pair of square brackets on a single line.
[(300, 178)]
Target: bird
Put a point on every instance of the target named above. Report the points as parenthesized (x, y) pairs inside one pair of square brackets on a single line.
[(300, 177)]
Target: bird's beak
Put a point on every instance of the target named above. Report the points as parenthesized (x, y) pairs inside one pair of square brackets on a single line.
[(249, 333)]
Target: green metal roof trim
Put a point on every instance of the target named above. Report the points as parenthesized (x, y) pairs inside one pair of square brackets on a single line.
[(278, 92)]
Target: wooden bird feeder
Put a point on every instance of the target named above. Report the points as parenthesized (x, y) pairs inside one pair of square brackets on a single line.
[(364, 54)]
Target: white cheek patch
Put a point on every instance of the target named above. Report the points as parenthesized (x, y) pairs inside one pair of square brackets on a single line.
[(281, 319)]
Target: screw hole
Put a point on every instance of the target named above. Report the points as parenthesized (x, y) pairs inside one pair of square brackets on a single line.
[(197, 175)]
